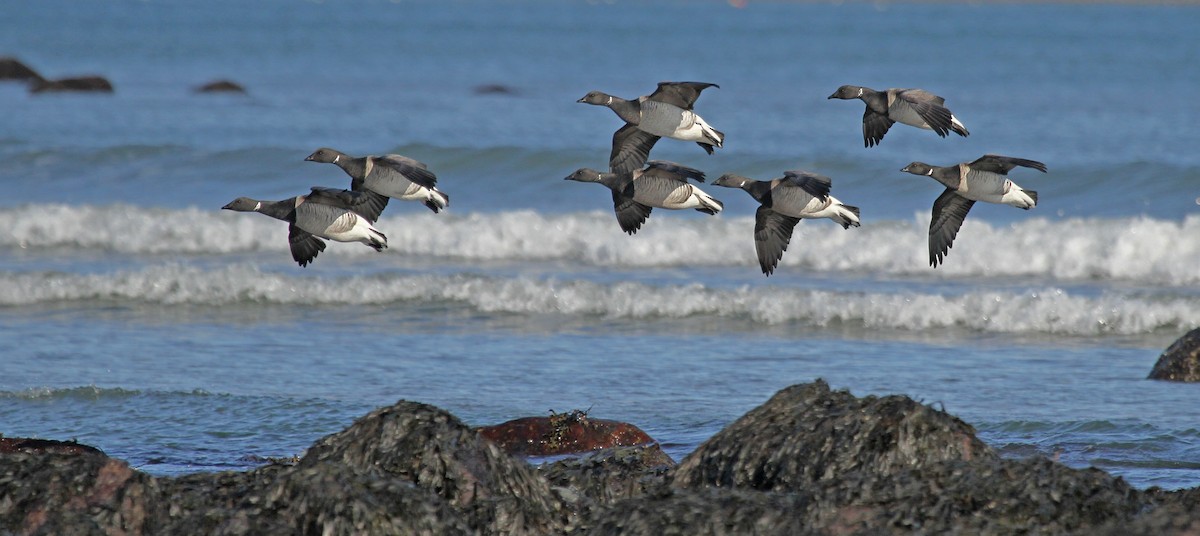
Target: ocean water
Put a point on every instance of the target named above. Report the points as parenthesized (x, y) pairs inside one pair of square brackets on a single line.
[(138, 317)]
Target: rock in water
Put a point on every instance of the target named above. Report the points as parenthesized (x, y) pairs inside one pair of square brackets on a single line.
[(562, 433), (1181, 361), (808, 433), (435, 451)]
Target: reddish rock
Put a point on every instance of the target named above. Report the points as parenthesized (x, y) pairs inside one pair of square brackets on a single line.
[(562, 433), (22, 444)]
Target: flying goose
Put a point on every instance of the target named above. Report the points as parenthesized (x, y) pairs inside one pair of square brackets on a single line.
[(665, 113), (391, 175), (341, 215), (783, 203), (915, 107), (661, 184), (985, 179)]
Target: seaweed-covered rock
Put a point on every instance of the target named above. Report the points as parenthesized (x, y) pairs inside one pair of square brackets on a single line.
[(562, 433), (714, 512), (71, 493), (320, 499), (807, 433), (24, 444), (432, 449), (1034, 496), (1181, 361), (612, 474)]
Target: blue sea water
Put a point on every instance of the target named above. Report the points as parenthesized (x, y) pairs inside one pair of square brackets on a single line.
[(138, 317)]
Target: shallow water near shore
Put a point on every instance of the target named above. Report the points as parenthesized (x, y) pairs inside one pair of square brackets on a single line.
[(137, 317)]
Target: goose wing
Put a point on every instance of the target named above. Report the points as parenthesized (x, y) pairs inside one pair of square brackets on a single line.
[(949, 211), (394, 166), (1003, 164), (875, 126), (630, 149), (630, 214), (814, 184), (681, 94), (929, 107), (305, 247), (772, 233), (366, 204), (671, 170)]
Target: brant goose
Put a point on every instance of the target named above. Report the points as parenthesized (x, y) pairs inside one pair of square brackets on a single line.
[(341, 215), (915, 107), (783, 203), (666, 112), (985, 179), (661, 184), (387, 176)]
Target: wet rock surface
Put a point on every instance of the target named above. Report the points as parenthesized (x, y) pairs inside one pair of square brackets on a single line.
[(806, 434), (811, 460), (1181, 361)]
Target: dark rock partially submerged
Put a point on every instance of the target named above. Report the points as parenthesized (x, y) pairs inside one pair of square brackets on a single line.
[(24, 444), (1181, 361), (14, 69), (221, 86), (97, 84), (809, 461)]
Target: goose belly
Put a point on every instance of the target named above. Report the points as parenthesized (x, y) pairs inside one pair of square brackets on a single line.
[(348, 227), (903, 113), (988, 187), (399, 189), (674, 196), (799, 205), (669, 121)]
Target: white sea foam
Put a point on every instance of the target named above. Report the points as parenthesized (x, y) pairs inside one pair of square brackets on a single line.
[(1050, 310), (1141, 249)]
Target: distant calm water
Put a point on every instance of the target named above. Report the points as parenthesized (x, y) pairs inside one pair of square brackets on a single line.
[(138, 317)]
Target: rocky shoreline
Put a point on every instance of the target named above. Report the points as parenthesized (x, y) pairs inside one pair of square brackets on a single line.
[(811, 460)]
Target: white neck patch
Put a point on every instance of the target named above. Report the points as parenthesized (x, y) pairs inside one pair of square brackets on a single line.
[(609, 100), (336, 157), (257, 206), (860, 92), (930, 172)]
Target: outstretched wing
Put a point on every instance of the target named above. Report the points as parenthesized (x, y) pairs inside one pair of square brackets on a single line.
[(305, 247), (681, 94), (772, 233), (630, 149), (929, 107), (949, 211), (812, 183), (630, 214), (366, 204), (1003, 164), (875, 126)]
